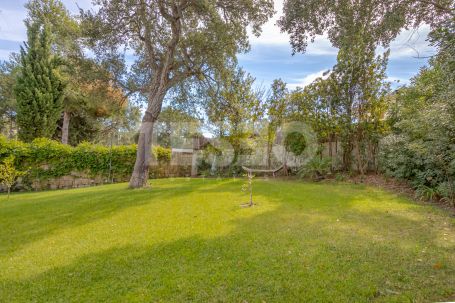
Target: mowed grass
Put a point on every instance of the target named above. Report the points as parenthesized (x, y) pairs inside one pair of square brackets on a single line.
[(188, 240)]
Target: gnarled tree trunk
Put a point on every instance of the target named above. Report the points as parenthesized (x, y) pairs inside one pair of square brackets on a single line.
[(140, 175)]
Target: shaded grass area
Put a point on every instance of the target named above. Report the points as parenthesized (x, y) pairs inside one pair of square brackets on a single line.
[(188, 240)]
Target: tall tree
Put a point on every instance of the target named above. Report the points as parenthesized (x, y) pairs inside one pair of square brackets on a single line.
[(65, 33), (39, 88), (316, 105), (234, 107), (93, 105), (348, 105), (359, 78), (96, 109), (173, 40), (276, 108)]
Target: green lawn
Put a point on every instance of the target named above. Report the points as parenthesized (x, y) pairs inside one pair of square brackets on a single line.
[(188, 240)]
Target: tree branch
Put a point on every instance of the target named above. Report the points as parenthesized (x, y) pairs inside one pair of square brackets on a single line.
[(151, 54)]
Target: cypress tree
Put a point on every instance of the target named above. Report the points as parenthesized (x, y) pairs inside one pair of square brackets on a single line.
[(39, 90)]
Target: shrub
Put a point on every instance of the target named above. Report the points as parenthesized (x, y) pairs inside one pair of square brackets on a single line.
[(295, 142), (162, 154), (234, 170), (8, 173), (340, 177), (424, 192), (446, 191), (426, 164), (317, 168), (203, 167), (421, 146)]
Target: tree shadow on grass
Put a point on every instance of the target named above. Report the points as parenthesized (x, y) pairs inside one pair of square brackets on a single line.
[(284, 255), (29, 217)]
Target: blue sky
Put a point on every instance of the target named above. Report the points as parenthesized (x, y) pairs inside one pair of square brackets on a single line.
[(270, 56)]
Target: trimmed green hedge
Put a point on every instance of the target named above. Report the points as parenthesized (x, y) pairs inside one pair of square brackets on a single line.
[(45, 159)]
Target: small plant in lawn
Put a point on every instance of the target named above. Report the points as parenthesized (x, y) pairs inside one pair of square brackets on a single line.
[(248, 187), (8, 173)]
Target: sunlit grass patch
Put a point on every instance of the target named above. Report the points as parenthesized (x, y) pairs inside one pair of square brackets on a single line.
[(189, 240)]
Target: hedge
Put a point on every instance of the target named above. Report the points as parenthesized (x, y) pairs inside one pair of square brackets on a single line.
[(45, 159)]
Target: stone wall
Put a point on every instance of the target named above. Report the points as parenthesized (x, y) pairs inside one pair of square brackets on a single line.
[(79, 179), (74, 180)]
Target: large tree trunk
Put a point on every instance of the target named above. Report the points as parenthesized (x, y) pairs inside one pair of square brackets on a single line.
[(347, 153), (140, 175), (65, 127), (359, 158)]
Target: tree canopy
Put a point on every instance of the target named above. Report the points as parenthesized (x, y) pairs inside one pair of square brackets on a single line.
[(379, 21)]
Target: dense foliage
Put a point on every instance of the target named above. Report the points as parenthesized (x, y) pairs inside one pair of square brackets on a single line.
[(162, 154), (421, 147), (233, 107), (295, 143), (377, 20), (44, 158), (8, 73), (350, 105), (317, 168)]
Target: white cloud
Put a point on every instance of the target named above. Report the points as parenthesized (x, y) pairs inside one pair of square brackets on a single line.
[(398, 80), (308, 79), (272, 35), (321, 46), (12, 27), (411, 43)]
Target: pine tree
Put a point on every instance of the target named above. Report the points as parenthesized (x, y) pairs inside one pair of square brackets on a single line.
[(39, 90)]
